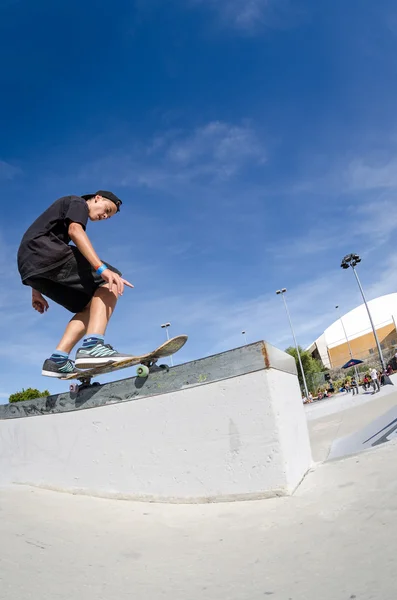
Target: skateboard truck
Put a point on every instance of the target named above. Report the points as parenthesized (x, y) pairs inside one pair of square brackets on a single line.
[(145, 368), (85, 383), (142, 371)]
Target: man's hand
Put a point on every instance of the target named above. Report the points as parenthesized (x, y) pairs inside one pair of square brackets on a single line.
[(80, 238), (114, 280), (38, 302)]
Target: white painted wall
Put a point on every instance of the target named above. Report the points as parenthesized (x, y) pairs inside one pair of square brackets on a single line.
[(243, 437)]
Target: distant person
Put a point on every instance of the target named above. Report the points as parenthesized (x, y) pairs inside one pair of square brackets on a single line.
[(366, 382), (375, 381), (354, 386), (74, 277)]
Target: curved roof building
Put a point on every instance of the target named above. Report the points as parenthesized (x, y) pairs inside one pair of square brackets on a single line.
[(351, 335)]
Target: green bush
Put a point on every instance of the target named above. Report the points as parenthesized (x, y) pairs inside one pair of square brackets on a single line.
[(313, 368), (29, 394)]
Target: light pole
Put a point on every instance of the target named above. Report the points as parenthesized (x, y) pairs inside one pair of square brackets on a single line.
[(245, 336), (282, 293), (351, 260), (347, 340), (165, 326)]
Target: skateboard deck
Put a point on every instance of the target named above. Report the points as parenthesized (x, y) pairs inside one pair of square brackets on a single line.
[(146, 362)]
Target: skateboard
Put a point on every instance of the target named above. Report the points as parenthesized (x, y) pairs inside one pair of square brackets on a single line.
[(147, 364)]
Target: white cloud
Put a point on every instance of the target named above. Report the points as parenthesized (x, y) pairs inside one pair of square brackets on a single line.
[(211, 154), (218, 150), (362, 213), (385, 280), (369, 224), (364, 176), (8, 171), (217, 143), (242, 13), (378, 219), (249, 15)]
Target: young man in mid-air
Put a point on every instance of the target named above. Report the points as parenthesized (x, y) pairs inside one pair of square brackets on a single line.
[(74, 277)]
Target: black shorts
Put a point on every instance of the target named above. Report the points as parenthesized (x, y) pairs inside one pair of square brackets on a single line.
[(72, 285)]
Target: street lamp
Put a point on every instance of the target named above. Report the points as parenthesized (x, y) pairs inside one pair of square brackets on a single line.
[(245, 336), (282, 293), (165, 326), (351, 260)]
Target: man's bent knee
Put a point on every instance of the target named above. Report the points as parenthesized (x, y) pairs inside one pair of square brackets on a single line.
[(107, 287), (106, 290)]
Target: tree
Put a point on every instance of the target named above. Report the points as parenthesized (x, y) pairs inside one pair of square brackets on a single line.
[(29, 394), (311, 367)]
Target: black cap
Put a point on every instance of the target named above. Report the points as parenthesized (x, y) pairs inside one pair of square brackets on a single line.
[(107, 195)]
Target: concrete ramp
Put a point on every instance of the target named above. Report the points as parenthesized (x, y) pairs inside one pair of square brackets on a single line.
[(381, 430), (226, 427)]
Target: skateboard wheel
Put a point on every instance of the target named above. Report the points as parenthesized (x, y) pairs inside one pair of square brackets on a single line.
[(96, 383), (142, 371), (74, 388)]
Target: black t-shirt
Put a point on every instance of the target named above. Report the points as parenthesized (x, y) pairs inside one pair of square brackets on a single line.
[(45, 244)]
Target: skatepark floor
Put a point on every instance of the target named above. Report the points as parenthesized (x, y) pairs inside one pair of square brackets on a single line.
[(353, 414), (334, 539)]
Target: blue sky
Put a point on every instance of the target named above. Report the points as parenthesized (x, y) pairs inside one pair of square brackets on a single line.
[(253, 142)]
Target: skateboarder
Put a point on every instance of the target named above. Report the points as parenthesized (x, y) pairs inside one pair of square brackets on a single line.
[(74, 277)]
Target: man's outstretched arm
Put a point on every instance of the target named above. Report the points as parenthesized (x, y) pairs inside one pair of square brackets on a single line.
[(82, 241)]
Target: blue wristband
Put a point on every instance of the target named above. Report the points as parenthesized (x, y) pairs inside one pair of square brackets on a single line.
[(101, 269)]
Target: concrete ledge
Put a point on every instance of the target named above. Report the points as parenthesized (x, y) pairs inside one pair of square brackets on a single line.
[(228, 427), (239, 361)]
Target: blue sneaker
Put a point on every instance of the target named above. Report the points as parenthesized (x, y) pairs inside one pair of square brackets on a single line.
[(100, 354), (51, 368)]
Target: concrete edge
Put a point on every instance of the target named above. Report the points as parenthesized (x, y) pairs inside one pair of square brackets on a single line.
[(232, 363), (310, 469), (152, 499)]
